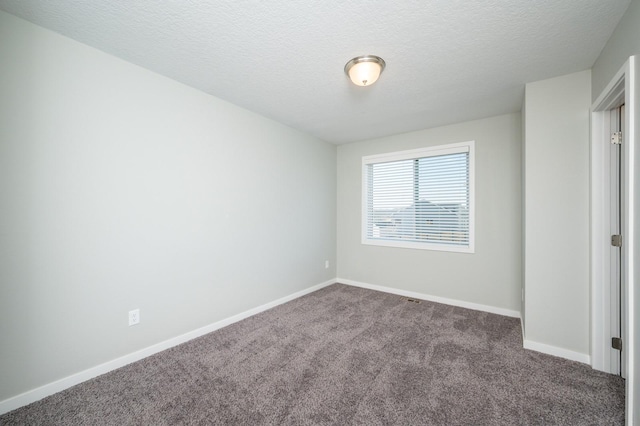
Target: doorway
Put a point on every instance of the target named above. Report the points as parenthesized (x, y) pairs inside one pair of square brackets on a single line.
[(609, 219), (623, 91)]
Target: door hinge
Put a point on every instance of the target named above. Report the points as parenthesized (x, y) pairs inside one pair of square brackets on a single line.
[(616, 138), (616, 343), (616, 240)]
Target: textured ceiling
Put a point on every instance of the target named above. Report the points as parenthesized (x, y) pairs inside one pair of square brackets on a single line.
[(447, 60)]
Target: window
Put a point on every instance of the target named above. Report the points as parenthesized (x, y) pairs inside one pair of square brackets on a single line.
[(420, 199)]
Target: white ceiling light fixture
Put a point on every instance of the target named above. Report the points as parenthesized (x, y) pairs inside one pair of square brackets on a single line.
[(364, 70)]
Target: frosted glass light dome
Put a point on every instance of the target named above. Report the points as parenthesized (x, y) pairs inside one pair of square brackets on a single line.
[(364, 70)]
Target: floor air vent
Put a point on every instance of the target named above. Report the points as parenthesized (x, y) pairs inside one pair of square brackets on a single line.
[(410, 299)]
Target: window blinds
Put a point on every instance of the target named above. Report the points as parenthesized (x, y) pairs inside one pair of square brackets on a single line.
[(419, 197)]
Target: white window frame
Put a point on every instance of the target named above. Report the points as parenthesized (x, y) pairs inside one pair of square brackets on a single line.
[(413, 154)]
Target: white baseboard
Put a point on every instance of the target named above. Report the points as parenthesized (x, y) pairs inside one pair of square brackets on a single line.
[(556, 351), (437, 299), (527, 344), (65, 383)]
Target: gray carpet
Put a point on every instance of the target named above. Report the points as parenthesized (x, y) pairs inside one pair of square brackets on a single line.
[(339, 356)]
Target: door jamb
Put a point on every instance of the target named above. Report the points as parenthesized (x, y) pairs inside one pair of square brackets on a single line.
[(621, 89), (601, 301)]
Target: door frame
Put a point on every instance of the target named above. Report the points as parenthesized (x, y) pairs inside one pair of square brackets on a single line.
[(621, 89)]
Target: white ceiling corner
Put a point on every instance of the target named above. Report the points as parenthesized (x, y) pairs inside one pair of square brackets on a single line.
[(447, 61)]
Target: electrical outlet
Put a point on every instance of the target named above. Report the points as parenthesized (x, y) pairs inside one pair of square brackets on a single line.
[(326, 264), (134, 317)]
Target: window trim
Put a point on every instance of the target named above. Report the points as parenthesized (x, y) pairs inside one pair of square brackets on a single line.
[(453, 148)]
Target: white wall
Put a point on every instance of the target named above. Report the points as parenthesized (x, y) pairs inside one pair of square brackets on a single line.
[(122, 189), (624, 42), (556, 207), (490, 276)]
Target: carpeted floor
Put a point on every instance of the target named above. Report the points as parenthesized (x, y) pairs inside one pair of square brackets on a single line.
[(345, 355)]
